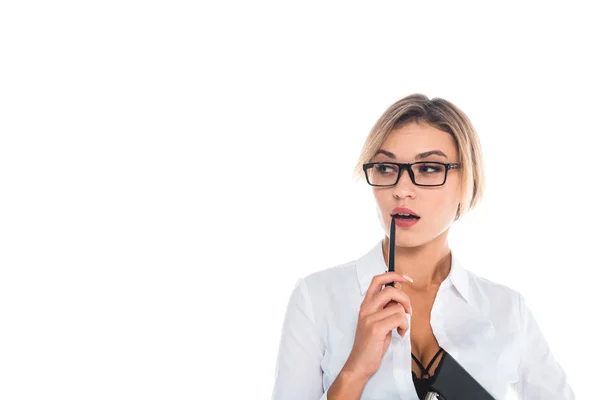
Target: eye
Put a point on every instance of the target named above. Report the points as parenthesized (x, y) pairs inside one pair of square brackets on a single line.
[(385, 169), (430, 168)]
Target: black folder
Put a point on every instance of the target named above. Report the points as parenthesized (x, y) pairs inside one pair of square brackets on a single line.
[(453, 382)]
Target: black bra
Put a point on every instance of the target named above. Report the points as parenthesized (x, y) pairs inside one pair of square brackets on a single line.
[(423, 383)]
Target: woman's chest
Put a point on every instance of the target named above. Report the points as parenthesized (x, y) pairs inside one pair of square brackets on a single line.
[(490, 355), (424, 345)]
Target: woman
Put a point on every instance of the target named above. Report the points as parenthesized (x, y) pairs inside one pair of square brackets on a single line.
[(344, 337)]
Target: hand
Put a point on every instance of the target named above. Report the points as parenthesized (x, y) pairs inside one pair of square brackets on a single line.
[(381, 311)]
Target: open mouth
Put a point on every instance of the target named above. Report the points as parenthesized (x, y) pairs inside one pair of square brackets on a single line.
[(405, 216)]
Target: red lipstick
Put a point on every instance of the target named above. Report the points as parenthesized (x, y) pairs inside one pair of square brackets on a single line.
[(405, 217)]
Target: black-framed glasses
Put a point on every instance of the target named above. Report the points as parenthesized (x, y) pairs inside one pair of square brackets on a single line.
[(423, 173)]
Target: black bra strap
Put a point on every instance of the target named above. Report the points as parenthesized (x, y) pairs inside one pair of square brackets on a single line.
[(425, 371)]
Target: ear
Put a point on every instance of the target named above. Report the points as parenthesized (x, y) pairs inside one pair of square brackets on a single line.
[(457, 213)]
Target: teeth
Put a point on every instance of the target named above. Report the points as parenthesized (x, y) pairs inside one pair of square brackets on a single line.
[(406, 215)]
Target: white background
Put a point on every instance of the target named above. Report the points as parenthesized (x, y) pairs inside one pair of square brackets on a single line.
[(168, 170)]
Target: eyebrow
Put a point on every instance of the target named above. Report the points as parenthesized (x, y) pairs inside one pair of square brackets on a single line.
[(417, 157)]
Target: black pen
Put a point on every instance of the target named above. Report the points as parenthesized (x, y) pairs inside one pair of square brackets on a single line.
[(392, 250)]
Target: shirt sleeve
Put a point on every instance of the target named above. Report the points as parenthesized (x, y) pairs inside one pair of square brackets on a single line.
[(298, 373), (540, 375)]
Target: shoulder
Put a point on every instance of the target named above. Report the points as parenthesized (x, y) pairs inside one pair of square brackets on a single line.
[(501, 302), (479, 290), (334, 289), (494, 290), (332, 279)]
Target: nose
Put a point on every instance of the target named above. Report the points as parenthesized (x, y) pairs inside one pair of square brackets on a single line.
[(405, 187)]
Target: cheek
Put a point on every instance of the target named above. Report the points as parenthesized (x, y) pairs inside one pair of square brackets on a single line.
[(446, 206), (380, 199), (442, 203), (383, 203)]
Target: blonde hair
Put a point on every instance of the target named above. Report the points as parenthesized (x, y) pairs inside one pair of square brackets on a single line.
[(445, 116)]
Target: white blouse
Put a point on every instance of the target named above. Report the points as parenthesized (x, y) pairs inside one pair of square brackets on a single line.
[(485, 326)]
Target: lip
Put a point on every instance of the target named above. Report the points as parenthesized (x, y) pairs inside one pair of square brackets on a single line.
[(405, 223), (404, 210)]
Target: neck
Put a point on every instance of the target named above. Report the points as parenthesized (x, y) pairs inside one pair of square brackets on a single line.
[(428, 264)]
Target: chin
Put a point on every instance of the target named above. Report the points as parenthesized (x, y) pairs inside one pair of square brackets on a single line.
[(410, 243)]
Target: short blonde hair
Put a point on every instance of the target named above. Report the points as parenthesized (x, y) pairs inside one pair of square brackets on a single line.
[(445, 116)]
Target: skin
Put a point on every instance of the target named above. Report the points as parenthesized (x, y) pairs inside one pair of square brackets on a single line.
[(422, 254), (422, 251)]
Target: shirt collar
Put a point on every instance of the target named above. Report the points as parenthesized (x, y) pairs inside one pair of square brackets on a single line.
[(373, 263)]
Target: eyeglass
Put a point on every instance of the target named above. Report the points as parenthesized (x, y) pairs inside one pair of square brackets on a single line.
[(421, 173)]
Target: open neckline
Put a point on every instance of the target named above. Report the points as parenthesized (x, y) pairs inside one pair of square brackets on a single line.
[(425, 374)]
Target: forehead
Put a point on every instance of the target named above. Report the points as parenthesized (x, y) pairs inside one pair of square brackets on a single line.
[(412, 139)]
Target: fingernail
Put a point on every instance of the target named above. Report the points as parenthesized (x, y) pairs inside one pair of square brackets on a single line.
[(408, 278)]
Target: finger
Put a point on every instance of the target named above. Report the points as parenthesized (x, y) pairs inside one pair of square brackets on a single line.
[(385, 296), (395, 284), (401, 331), (379, 280), (388, 297), (394, 308), (395, 321)]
